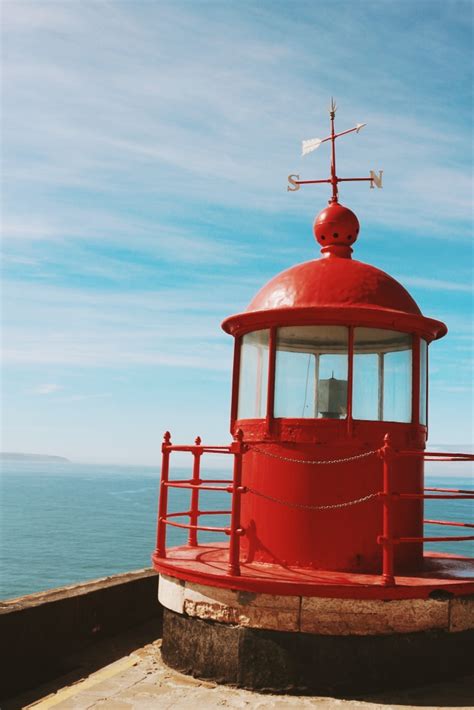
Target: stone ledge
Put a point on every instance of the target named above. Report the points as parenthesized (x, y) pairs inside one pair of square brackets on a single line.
[(39, 633), (363, 617), (325, 616), (74, 590), (261, 611)]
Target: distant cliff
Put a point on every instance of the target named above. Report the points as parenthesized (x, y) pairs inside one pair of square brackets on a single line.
[(11, 456)]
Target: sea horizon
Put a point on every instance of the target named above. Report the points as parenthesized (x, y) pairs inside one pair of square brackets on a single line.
[(91, 461)]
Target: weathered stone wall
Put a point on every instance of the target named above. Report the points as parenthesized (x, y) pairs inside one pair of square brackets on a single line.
[(40, 633), (317, 615)]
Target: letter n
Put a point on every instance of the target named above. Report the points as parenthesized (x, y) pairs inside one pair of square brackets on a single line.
[(375, 179)]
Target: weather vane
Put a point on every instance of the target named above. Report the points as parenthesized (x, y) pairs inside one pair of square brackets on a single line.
[(294, 182)]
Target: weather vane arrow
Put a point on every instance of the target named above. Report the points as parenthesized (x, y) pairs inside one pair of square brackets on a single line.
[(308, 146)]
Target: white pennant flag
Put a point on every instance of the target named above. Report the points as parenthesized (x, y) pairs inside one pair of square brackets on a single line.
[(309, 146)]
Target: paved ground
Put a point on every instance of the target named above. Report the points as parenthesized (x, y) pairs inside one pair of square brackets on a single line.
[(141, 681)]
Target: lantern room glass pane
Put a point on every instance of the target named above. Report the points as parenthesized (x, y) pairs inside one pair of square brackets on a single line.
[(382, 375), (423, 381), (365, 398), (311, 372), (253, 375)]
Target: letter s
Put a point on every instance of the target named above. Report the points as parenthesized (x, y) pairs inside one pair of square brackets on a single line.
[(293, 182)]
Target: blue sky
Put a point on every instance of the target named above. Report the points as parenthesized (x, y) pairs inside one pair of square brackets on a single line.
[(146, 149)]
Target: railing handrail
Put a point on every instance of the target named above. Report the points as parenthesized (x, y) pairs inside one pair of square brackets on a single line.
[(443, 455), (189, 526), (429, 496), (192, 448), (449, 490), (387, 539), (196, 484), (454, 538), (200, 485), (448, 522), (234, 486)]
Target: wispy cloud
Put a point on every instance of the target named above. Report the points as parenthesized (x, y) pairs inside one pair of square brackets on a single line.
[(86, 397), (47, 388), (454, 388), (154, 120), (95, 329), (438, 285)]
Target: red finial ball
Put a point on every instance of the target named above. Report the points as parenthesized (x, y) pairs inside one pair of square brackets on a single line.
[(336, 224)]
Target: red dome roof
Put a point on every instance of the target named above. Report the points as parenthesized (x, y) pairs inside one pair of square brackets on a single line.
[(334, 282), (334, 290)]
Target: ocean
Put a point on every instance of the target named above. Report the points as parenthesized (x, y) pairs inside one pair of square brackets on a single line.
[(62, 523)]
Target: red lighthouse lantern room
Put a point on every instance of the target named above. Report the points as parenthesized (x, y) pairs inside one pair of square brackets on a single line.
[(325, 539)]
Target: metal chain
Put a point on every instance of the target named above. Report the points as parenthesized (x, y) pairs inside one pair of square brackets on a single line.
[(356, 457), (302, 506)]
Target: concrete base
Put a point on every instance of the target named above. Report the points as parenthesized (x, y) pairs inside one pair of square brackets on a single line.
[(288, 661)]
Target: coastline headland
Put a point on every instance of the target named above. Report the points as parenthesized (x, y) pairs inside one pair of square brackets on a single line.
[(14, 456)]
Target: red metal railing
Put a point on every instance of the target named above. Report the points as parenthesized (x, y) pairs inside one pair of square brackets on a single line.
[(237, 448), (195, 485), (388, 495)]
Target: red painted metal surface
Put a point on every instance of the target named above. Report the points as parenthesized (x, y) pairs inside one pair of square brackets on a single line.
[(338, 291), (334, 282), (450, 523), (457, 538), (415, 376), (163, 501), (336, 225), (187, 526), (389, 539), (271, 380), (448, 490), (238, 449), (350, 380), (194, 513), (386, 540), (235, 383), (316, 536), (208, 565)]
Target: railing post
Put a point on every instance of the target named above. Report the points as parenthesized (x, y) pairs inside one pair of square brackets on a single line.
[(193, 518), (237, 449), (388, 578), (163, 503)]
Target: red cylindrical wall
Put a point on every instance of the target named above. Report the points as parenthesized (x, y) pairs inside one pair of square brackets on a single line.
[(344, 538)]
